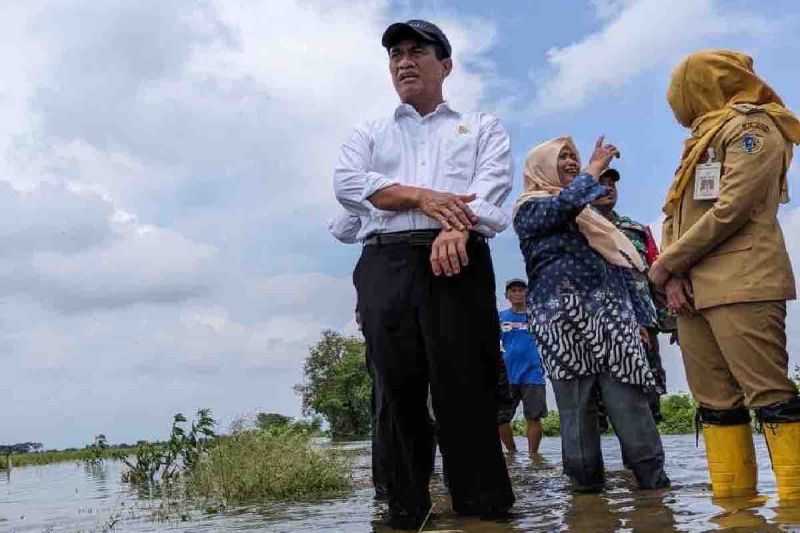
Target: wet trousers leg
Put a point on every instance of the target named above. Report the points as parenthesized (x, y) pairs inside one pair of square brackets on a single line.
[(629, 410), (423, 330), (461, 331), (580, 432)]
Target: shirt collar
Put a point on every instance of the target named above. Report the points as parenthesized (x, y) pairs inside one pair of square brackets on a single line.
[(408, 110)]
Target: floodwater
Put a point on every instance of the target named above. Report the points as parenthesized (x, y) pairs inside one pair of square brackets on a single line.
[(73, 497)]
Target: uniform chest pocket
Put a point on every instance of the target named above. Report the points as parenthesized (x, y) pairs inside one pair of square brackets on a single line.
[(460, 154)]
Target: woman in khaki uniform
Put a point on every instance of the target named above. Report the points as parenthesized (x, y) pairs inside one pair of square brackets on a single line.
[(725, 268)]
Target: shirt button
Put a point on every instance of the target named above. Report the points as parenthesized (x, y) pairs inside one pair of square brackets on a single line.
[(422, 163)]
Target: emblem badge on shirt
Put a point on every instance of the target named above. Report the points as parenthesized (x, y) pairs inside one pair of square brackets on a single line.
[(462, 129), (751, 143)]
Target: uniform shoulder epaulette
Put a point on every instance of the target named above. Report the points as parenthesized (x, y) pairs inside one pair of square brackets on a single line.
[(747, 109)]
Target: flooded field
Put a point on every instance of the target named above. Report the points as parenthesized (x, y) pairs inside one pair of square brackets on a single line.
[(72, 497)]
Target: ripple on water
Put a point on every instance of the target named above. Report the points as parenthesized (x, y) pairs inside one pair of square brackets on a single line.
[(73, 497)]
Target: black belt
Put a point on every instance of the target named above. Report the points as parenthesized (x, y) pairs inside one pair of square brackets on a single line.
[(411, 238)]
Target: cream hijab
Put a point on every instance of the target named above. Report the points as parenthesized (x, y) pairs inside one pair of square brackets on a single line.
[(541, 181)]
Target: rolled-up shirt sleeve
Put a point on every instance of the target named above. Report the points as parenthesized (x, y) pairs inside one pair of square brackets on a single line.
[(493, 178), (353, 181), (345, 227)]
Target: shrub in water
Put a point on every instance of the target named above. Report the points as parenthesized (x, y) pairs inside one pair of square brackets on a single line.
[(277, 464)]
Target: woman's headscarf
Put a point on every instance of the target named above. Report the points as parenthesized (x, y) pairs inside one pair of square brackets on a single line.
[(542, 181), (704, 93)]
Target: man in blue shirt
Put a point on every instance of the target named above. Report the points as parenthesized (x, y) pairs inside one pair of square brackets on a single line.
[(524, 367)]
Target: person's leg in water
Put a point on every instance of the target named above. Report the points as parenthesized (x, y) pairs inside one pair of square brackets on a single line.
[(752, 339), (629, 411), (534, 406), (388, 300), (507, 436), (506, 407), (580, 433), (534, 434), (461, 333), (602, 415)]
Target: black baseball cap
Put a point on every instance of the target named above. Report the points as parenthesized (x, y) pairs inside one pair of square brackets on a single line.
[(516, 282), (612, 173), (416, 29)]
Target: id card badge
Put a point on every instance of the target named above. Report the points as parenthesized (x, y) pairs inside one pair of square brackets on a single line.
[(706, 178)]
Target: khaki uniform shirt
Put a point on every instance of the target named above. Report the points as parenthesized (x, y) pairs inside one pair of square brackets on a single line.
[(732, 248)]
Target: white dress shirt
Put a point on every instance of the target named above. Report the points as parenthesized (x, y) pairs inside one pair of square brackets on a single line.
[(446, 151), (345, 227)]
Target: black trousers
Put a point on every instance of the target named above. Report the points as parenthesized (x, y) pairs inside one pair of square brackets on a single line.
[(421, 329)]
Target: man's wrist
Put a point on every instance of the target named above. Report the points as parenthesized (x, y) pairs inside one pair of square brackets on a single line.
[(416, 195), (463, 232)]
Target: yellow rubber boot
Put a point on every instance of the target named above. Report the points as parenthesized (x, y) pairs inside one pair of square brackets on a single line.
[(784, 449), (731, 460)]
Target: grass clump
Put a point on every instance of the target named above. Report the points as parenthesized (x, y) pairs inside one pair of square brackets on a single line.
[(274, 464)]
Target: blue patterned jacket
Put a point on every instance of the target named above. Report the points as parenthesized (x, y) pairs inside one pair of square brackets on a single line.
[(559, 260)]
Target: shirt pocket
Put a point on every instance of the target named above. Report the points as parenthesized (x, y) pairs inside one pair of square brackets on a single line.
[(460, 153)]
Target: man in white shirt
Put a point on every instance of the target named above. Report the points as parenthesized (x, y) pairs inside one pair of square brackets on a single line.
[(427, 184)]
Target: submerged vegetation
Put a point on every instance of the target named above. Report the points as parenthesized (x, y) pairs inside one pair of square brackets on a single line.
[(277, 463), (166, 461), (275, 460)]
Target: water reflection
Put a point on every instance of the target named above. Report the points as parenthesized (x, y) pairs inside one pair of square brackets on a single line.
[(70, 497), (742, 513)]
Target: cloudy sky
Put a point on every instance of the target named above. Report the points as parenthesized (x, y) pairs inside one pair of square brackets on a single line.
[(165, 177)]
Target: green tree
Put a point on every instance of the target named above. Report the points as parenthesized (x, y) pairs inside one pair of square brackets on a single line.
[(267, 420), (678, 412), (337, 386)]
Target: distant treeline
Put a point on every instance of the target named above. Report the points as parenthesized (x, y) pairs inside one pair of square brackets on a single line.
[(67, 455)]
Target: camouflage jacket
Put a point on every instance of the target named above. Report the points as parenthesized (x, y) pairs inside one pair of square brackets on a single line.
[(643, 240)]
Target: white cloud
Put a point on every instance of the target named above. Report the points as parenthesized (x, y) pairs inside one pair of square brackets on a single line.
[(141, 264), (636, 36), (165, 179)]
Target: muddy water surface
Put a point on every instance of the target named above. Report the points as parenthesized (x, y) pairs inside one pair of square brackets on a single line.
[(71, 497)]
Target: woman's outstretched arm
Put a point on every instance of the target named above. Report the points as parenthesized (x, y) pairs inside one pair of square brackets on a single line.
[(541, 216)]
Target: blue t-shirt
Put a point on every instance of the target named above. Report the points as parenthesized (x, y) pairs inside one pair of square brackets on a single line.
[(523, 364)]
